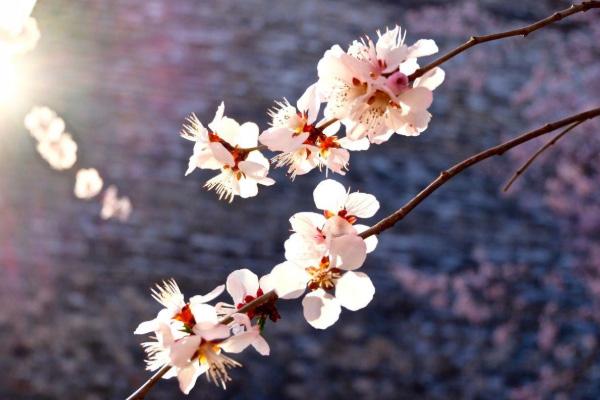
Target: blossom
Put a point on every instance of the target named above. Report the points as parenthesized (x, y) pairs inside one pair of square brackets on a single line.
[(176, 310), (334, 232), (244, 286), (191, 339), (44, 124), (114, 206), (324, 253), (304, 144), (61, 153), (369, 89), (88, 183), (19, 32), (329, 288), (232, 149)]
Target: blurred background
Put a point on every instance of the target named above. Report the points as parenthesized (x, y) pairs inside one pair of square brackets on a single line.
[(480, 295)]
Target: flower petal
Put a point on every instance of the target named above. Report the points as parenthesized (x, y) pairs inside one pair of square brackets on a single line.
[(371, 241), (307, 223), (416, 99), (362, 205), (431, 80), (188, 375), (354, 290), (213, 294), (422, 48), (221, 153), (310, 102), (350, 251), (287, 279), (247, 136), (241, 283), (321, 309), (330, 195)]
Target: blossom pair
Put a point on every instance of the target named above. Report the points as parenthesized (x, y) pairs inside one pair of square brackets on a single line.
[(54, 145), (324, 253), (368, 87), (230, 148), (191, 340)]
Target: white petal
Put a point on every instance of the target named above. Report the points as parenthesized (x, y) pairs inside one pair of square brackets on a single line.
[(247, 136), (146, 327), (371, 241), (248, 187), (330, 195), (213, 294), (241, 283), (354, 145), (261, 345), (217, 119), (321, 309), (187, 376), (228, 129), (287, 279), (304, 250), (307, 223), (431, 80), (416, 99), (310, 102), (204, 314), (221, 153), (217, 332), (362, 205), (354, 290), (239, 342), (282, 139), (183, 349), (350, 251), (423, 47)]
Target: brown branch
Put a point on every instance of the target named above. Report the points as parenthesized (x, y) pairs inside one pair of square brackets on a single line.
[(143, 390), (448, 174), (475, 40), (530, 161)]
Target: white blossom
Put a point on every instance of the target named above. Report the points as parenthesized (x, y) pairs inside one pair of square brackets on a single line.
[(368, 87), (232, 149), (190, 338), (114, 206), (303, 144), (44, 124), (61, 153), (88, 183)]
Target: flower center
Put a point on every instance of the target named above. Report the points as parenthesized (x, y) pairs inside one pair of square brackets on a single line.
[(343, 213), (186, 316), (263, 311), (322, 276)]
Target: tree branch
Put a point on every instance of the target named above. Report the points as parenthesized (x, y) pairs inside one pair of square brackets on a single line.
[(530, 161), (475, 40), (448, 174)]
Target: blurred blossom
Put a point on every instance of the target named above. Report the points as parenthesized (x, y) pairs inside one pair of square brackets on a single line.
[(88, 183), (114, 206), (61, 153)]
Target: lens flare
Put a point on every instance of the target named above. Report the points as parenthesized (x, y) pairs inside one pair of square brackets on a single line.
[(10, 80)]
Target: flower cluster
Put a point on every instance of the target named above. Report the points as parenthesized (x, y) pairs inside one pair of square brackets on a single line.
[(368, 89), (60, 151), (322, 256), (54, 145), (190, 338)]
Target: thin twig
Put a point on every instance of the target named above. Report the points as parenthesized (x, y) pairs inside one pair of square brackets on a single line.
[(446, 175), (522, 169), (143, 390), (475, 40)]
